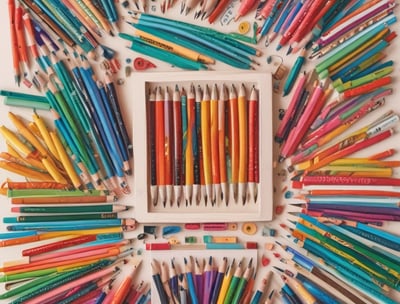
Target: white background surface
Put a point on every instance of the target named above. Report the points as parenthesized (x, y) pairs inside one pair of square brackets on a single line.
[(126, 94)]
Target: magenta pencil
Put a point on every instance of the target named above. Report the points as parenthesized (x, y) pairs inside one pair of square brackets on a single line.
[(208, 281), (355, 208), (367, 216)]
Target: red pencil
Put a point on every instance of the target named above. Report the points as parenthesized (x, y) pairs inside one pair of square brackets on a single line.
[(218, 10), (349, 150), (59, 245), (350, 180), (295, 24), (366, 88), (353, 192)]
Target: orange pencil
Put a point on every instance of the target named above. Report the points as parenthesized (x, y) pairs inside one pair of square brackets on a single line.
[(234, 148), (19, 31), (160, 155), (382, 155), (253, 158), (349, 150), (243, 143), (30, 38), (55, 234), (222, 144), (14, 42), (215, 165), (125, 286)]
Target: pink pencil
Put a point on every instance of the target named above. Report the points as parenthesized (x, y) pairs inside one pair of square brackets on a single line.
[(90, 277), (53, 255)]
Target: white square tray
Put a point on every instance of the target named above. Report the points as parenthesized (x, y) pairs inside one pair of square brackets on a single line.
[(144, 210)]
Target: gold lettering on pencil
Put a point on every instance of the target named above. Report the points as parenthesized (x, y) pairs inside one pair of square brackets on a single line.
[(157, 43)]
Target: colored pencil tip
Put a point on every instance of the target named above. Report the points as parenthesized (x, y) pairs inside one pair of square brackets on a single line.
[(278, 47), (293, 222), (297, 177), (279, 269), (289, 51), (290, 168)]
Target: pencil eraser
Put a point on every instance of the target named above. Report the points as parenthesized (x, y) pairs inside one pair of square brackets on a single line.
[(251, 245), (215, 226), (297, 185), (158, 246), (192, 226)]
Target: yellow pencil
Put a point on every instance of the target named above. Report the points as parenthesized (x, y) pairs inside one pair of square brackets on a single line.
[(243, 142), (350, 168), (358, 162), (53, 171), (173, 47), (44, 132), (206, 144), (65, 160), (27, 133), (300, 290), (226, 282), (215, 165), (105, 25), (16, 143)]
